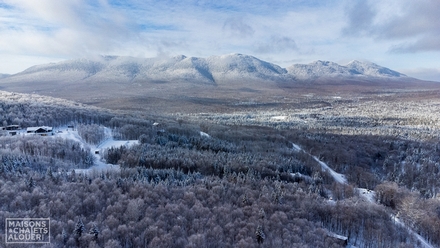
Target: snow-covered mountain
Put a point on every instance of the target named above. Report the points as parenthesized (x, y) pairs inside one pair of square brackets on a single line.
[(353, 70), (118, 69), (239, 66), (372, 70), (211, 70)]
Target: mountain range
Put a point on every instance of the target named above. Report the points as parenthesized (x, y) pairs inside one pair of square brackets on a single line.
[(211, 70), (217, 81)]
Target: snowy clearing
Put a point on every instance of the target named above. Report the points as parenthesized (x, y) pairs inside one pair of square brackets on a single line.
[(203, 134), (116, 143), (367, 194), (108, 142), (340, 178), (296, 147), (99, 167), (279, 118)]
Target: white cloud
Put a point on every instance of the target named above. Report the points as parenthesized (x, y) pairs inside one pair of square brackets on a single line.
[(277, 44), (236, 26), (413, 26), (280, 30)]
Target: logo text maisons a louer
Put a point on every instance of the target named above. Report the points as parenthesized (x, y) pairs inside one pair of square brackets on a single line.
[(27, 230)]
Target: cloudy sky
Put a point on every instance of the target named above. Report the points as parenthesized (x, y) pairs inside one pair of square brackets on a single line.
[(403, 35)]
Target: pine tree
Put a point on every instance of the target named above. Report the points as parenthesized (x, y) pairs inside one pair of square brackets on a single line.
[(260, 234), (31, 184), (94, 231), (79, 228)]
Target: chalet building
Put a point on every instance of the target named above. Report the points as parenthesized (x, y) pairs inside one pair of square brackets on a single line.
[(43, 130), (9, 130), (12, 127)]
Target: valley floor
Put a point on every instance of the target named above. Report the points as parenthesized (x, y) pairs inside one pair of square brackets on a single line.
[(315, 171)]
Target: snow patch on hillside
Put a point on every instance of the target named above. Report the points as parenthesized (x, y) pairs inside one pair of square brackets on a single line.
[(279, 118), (116, 143), (296, 147), (205, 135), (367, 194)]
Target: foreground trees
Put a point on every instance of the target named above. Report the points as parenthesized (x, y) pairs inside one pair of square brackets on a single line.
[(127, 210), (231, 186)]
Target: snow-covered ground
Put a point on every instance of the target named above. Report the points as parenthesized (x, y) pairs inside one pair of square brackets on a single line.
[(108, 142), (203, 134), (423, 241), (279, 118), (296, 147), (368, 195), (99, 166), (340, 178)]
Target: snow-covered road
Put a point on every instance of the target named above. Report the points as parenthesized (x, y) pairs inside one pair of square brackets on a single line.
[(340, 178)]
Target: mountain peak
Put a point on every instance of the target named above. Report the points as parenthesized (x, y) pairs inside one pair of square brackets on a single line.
[(371, 69), (355, 68), (224, 68), (354, 62), (239, 66)]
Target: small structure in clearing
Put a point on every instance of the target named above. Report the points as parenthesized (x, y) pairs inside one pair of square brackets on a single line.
[(43, 130), (11, 127), (338, 239)]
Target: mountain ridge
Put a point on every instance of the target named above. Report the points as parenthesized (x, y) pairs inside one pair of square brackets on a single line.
[(217, 83), (208, 70)]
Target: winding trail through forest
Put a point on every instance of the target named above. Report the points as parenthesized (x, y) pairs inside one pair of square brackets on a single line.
[(338, 177), (369, 195)]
